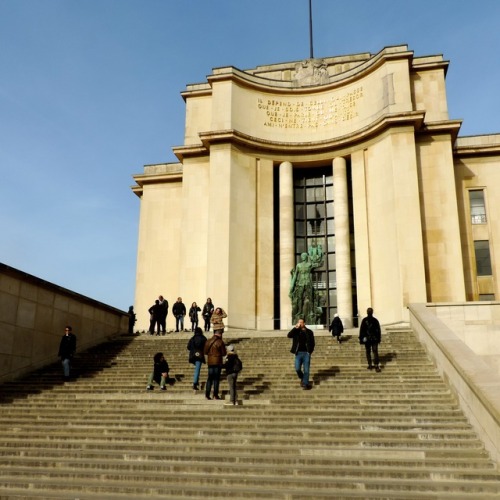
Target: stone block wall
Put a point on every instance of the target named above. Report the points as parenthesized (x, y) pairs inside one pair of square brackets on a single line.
[(33, 314)]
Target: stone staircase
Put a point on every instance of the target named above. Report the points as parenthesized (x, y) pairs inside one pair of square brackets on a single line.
[(356, 434)]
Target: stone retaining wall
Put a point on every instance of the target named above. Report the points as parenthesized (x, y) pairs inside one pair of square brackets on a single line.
[(33, 314)]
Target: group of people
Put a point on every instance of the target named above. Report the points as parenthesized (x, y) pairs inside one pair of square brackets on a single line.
[(218, 357), (159, 311), (370, 335)]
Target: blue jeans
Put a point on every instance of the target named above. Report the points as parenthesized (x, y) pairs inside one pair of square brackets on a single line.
[(197, 368), (302, 364), (179, 321), (214, 372), (66, 363)]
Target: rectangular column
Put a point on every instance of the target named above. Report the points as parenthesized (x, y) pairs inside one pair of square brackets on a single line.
[(287, 241)]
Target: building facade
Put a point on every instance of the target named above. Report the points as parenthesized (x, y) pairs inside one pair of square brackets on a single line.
[(348, 163)]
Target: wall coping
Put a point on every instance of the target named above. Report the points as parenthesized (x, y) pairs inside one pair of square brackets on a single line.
[(29, 278)]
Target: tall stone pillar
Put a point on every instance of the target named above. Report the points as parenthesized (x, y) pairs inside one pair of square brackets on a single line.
[(342, 241), (287, 241)]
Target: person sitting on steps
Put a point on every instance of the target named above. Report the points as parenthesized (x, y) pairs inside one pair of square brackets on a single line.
[(159, 373)]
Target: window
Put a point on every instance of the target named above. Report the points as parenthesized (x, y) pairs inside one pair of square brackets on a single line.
[(487, 297), (483, 259), (477, 206)]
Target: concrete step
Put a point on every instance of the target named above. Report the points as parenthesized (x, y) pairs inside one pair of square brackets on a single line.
[(396, 434)]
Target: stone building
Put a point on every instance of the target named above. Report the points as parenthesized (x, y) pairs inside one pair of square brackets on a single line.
[(352, 156)]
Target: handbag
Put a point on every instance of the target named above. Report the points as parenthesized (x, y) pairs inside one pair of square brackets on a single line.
[(195, 356)]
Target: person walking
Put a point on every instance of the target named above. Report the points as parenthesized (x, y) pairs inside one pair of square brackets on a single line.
[(302, 346), (159, 373), (233, 366), (67, 348), (208, 309), (217, 319), (370, 335), (193, 315), (337, 328), (179, 311), (196, 347), (215, 350)]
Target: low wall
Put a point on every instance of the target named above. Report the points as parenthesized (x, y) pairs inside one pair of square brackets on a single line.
[(477, 324), (475, 383), (33, 314)]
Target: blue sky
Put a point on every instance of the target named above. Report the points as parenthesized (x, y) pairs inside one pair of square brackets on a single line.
[(90, 92)]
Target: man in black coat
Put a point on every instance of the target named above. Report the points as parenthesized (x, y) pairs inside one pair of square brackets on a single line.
[(163, 314), (179, 311), (155, 314), (370, 335), (302, 346), (67, 348)]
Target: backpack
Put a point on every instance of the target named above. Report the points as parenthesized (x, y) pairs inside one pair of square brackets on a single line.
[(237, 365), (371, 331)]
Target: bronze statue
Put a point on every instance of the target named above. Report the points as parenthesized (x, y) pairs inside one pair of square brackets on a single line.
[(305, 301)]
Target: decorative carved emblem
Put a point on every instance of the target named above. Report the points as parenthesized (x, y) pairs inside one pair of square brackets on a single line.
[(311, 72)]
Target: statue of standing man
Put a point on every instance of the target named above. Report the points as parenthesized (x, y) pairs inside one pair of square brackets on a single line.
[(304, 301)]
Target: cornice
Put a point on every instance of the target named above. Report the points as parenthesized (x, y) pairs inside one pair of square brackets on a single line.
[(262, 84), (451, 127), (480, 145), (155, 178)]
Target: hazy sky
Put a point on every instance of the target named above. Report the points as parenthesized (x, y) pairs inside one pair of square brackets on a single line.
[(90, 92)]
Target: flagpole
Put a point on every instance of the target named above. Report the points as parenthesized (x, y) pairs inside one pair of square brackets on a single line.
[(311, 54)]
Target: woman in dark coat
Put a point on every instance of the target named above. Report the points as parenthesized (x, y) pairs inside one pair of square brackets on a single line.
[(208, 309), (195, 347), (337, 328), (193, 315)]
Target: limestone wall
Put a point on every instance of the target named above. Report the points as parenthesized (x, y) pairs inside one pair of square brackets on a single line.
[(477, 324), (33, 314), (475, 383)]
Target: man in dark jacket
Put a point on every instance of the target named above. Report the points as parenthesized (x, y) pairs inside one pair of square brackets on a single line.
[(302, 347), (215, 350), (179, 311), (155, 312), (370, 336), (163, 314), (67, 348)]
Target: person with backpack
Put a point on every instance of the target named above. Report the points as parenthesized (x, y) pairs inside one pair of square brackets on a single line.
[(370, 335), (233, 366), (337, 328), (196, 346)]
